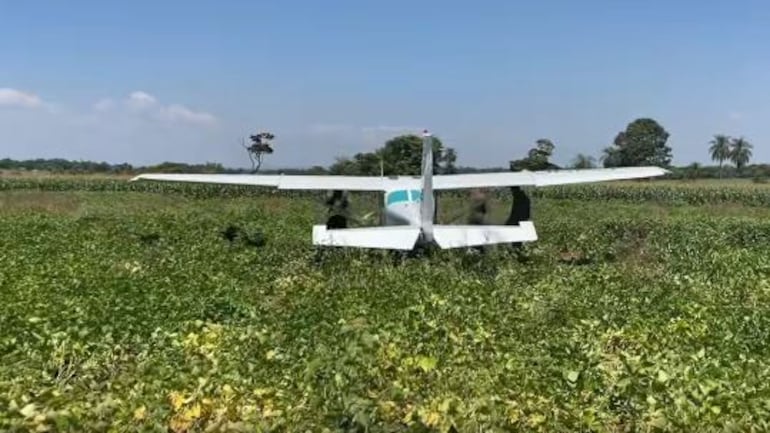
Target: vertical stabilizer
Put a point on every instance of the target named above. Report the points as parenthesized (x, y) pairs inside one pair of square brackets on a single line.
[(427, 207)]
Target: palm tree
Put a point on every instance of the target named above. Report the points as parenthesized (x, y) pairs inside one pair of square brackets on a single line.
[(583, 161), (720, 150), (740, 152)]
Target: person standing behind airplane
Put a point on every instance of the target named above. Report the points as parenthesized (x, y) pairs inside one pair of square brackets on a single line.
[(520, 210), (338, 206)]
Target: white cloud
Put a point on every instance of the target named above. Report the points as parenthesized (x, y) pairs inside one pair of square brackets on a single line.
[(105, 104), (143, 104), (735, 115), (180, 113), (140, 100), (138, 127), (16, 98)]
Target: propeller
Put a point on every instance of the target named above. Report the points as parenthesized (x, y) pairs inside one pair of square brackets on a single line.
[(479, 208), (337, 205), (477, 211)]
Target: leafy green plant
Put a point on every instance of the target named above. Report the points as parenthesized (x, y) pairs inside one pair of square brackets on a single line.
[(132, 313)]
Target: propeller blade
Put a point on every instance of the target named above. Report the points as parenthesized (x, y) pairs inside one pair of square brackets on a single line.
[(340, 212), (337, 205), (479, 208)]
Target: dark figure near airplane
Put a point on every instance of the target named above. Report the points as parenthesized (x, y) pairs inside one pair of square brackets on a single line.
[(338, 207), (520, 210)]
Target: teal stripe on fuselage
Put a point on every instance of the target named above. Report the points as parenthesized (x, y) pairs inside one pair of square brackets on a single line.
[(397, 197), (402, 195)]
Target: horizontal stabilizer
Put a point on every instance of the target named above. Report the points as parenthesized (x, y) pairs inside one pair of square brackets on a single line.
[(459, 236), (392, 237)]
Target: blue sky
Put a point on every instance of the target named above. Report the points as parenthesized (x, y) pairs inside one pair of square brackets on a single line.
[(149, 81)]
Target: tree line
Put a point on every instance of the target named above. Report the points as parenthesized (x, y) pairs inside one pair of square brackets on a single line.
[(643, 142), (59, 165)]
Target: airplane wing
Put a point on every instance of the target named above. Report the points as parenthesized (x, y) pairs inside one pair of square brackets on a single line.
[(543, 178), (324, 182), (449, 181)]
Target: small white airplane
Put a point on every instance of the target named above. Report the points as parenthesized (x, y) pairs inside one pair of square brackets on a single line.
[(410, 204)]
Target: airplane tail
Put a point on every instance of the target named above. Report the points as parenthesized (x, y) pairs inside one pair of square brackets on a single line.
[(406, 237), (427, 206)]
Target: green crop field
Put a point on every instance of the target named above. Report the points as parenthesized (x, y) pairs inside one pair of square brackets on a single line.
[(643, 307)]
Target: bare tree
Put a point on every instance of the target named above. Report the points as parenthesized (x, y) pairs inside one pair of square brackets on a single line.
[(259, 147)]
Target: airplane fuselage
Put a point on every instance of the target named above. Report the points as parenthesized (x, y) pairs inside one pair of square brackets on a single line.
[(412, 203), (409, 202), (405, 206), (402, 207)]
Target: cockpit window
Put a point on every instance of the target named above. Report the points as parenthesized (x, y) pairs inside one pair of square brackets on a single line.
[(403, 195), (397, 197)]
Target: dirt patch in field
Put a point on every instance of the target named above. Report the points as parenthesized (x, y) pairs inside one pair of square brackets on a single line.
[(38, 201)]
